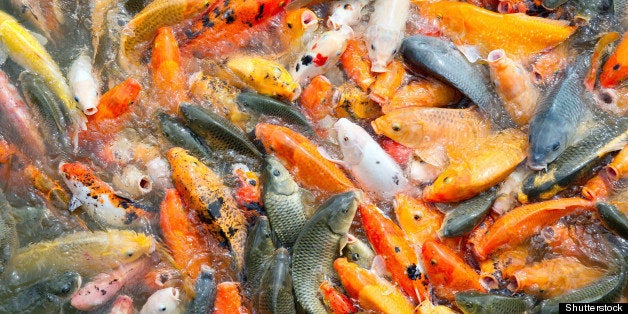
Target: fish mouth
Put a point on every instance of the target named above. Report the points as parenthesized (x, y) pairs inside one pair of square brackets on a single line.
[(536, 165)]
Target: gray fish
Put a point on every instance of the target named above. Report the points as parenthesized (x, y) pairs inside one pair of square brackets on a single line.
[(468, 214), (443, 60), (271, 106), (614, 218), (47, 293), (282, 200), (359, 252), (276, 286), (318, 245), (42, 100), (180, 135), (559, 113), (607, 289), (258, 250), (552, 4), (575, 163), (620, 8), (472, 302), (8, 233), (205, 290), (219, 132)]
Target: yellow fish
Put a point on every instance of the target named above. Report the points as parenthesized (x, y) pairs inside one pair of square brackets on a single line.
[(24, 49)]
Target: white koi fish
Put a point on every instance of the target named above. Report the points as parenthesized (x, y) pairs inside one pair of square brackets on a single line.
[(385, 31), (84, 84)]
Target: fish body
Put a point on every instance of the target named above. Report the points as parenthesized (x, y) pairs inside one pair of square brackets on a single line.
[(317, 247), (164, 301), (48, 293), (266, 76), (373, 169), (426, 92), (228, 299), (372, 292), (387, 83), (478, 168), (118, 100), (317, 98), (302, 159), (276, 285), (356, 64), (613, 218), (418, 220), (467, 215), (483, 303), (514, 85), (615, 69), (321, 54), (26, 51), (8, 233), (206, 193), (259, 250), (270, 106), (99, 199), (204, 291), (248, 192), (335, 301), (282, 198), (88, 253), (46, 16), (84, 85), (103, 287), (575, 163), (443, 60), (401, 260), (558, 114), (347, 12), (180, 135), (168, 76), (99, 11), (359, 252), (15, 115), (219, 132), (385, 31)]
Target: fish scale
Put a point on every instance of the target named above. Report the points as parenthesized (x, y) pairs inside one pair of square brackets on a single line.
[(276, 286), (317, 247), (8, 233), (50, 292), (259, 248)]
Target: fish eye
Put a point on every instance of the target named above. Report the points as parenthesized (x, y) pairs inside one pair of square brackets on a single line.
[(65, 289), (252, 182), (355, 256), (346, 139), (616, 67), (396, 127), (276, 173), (447, 180), (395, 51), (345, 210), (129, 253), (373, 47), (162, 308), (555, 146), (76, 99)]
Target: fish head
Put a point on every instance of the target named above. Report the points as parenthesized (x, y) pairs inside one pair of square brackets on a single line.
[(359, 252), (278, 140), (351, 138), (301, 20), (64, 285), (132, 246), (382, 46), (613, 72), (449, 184), (341, 209), (163, 301), (277, 178), (470, 302), (395, 125), (547, 142)]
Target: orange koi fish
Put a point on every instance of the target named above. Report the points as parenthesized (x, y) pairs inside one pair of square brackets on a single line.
[(205, 192), (387, 83), (301, 157), (373, 293), (168, 77), (228, 299), (298, 27), (596, 58), (520, 35), (615, 69), (598, 187), (448, 272), (99, 199), (502, 265), (248, 192), (522, 222), (419, 220), (618, 168), (401, 260), (317, 98), (223, 28), (335, 301), (428, 92), (356, 64), (117, 101), (473, 170)]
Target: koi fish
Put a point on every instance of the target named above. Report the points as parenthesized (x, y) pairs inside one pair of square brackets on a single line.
[(84, 84), (385, 31), (168, 77), (615, 69)]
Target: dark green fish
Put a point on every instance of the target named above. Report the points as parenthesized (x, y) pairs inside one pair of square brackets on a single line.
[(468, 214), (180, 135), (258, 250), (273, 107), (42, 100), (575, 164), (482, 303), (558, 115), (552, 4), (318, 245), (607, 289), (219, 132), (8, 233), (275, 291), (282, 200), (614, 218), (205, 290), (442, 59), (46, 294), (359, 252)]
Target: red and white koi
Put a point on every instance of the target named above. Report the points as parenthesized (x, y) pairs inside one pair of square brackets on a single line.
[(84, 84), (369, 164), (346, 12), (99, 199), (385, 32), (323, 53)]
